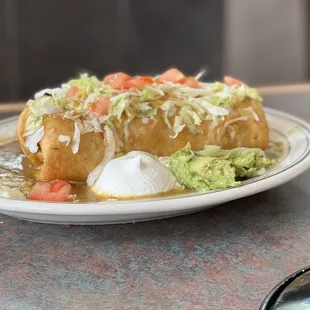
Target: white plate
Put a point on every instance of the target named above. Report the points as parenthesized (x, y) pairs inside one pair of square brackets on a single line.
[(292, 131)]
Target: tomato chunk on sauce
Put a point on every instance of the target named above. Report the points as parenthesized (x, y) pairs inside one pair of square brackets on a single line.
[(56, 190)]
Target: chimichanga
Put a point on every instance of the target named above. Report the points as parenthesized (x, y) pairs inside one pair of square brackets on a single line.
[(62, 130)]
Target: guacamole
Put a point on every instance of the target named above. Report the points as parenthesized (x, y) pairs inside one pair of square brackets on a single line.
[(214, 168)]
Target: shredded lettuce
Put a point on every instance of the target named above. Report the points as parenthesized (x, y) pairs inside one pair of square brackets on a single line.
[(254, 114), (214, 151), (178, 126), (244, 91), (191, 103), (192, 112), (118, 142), (92, 98), (92, 125), (49, 91), (144, 106), (191, 119), (148, 113), (118, 106), (33, 122), (33, 139), (76, 136), (169, 111), (151, 93), (44, 106), (145, 110), (110, 148), (72, 115), (180, 105), (213, 109), (87, 84)]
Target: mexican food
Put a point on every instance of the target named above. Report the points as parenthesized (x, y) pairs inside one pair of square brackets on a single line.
[(101, 131)]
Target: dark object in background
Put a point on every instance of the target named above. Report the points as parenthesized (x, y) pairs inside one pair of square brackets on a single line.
[(43, 43), (292, 293)]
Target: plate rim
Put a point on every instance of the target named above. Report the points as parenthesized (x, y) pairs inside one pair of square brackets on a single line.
[(168, 204)]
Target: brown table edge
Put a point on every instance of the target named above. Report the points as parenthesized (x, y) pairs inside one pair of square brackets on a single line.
[(263, 90), (284, 89), (11, 107)]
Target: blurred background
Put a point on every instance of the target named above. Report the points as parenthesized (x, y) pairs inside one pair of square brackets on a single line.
[(43, 43)]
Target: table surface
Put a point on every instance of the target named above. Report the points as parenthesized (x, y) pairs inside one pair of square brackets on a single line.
[(228, 257)]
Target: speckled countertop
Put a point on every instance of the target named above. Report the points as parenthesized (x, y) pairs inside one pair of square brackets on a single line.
[(225, 258)]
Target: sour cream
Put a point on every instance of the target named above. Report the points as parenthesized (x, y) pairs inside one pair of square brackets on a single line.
[(135, 174)]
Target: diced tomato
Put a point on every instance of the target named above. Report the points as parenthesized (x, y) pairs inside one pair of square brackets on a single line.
[(191, 82), (232, 81), (58, 184), (172, 75), (101, 106), (56, 190), (138, 82), (116, 80), (72, 92)]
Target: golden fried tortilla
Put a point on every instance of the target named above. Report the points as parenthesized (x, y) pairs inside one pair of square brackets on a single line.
[(55, 159), (245, 126), (153, 136)]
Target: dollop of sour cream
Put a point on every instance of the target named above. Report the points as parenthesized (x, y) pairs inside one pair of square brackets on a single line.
[(135, 174)]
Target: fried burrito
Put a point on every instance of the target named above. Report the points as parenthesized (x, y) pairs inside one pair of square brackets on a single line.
[(71, 131)]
